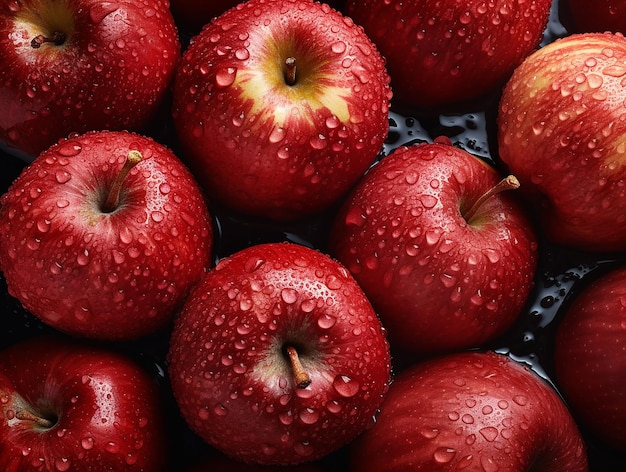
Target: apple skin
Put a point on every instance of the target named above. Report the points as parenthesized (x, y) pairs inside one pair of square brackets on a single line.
[(263, 147), (442, 53), (581, 16), (107, 275), (590, 345), (232, 381), (560, 131), (471, 411), (111, 72), (437, 282), (107, 412)]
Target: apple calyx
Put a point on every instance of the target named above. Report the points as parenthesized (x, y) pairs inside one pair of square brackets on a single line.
[(58, 38), (41, 421), (290, 71), (509, 182), (113, 197), (301, 378)]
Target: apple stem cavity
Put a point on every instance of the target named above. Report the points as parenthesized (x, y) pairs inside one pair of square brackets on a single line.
[(301, 378), (290, 70), (26, 415), (510, 182), (113, 198), (57, 38)]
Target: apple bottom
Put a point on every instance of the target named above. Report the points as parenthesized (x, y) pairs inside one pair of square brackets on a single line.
[(470, 411)]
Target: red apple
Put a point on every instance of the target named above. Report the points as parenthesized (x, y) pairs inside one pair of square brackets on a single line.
[(441, 53), (561, 128), (280, 106), (590, 358), (69, 406), (81, 65), (278, 357), (98, 248), (582, 16), (446, 260), (471, 411)]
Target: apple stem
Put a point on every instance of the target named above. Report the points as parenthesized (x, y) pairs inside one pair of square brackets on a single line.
[(26, 415), (113, 198), (57, 38), (290, 71), (510, 182), (301, 377)]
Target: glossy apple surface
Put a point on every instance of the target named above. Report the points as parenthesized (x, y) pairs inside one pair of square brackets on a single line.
[(268, 144), (442, 53), (561, 127), (589, 358), (476, 411), (69, 406), (104, 272), (77, 66), (440, 278), (231, 374)]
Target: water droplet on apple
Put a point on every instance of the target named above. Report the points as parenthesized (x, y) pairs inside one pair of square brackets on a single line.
[(220, 410), (101, 10), (225, 77), (326, 321), (242, 54), (69, 149), (43, 225), (112, 447), (345, 386), (286, 417), (62, 464), (443, 455), (87, 443), (309, 415), (318, 142), (289, 295), (521, 400), (429, 433), (338, 47), (488, 464), (303, 449), (277, 135)]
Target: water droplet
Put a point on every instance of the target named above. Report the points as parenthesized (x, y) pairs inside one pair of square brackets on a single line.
[(101, 10), (339, 47), (489, 433), (309, 416), (87, 443), (443, 455), (289, 295), (326, 321), (226, 77), (345, 386), (62, 464), (112, 447), (62, 176)]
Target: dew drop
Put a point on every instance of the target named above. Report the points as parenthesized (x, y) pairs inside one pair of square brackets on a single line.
[(62, 176), (309, 416), (87, 443), (289, 295), (101, 10), (226, 77), (326, 321), (443, 455), (345, 386)]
